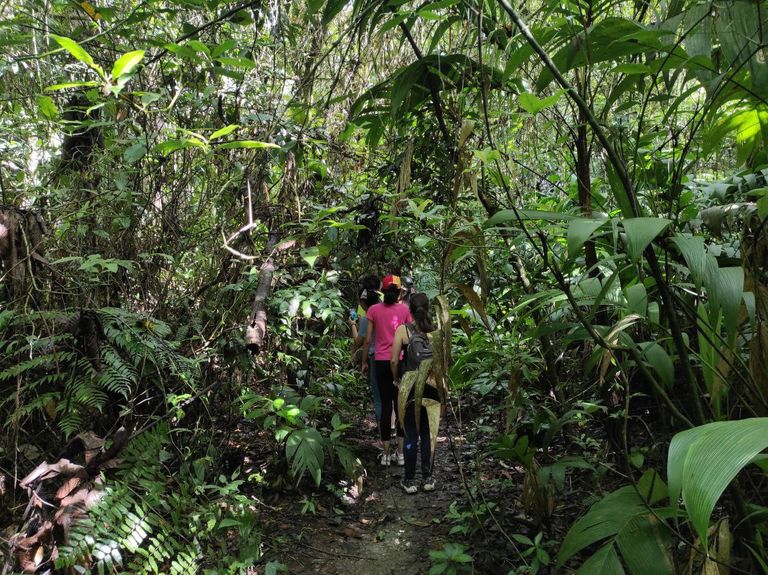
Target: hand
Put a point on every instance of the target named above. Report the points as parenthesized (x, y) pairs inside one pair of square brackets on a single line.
[(364, 368)]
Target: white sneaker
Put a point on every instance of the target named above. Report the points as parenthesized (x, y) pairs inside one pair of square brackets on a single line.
[(384, 458), (428, 484)]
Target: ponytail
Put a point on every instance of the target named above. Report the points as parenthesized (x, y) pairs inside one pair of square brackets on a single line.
[(419, 306)]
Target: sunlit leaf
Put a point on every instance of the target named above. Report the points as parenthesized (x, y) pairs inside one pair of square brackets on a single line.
[(223, 131), (533, 105), (126, 63), (252, 144)]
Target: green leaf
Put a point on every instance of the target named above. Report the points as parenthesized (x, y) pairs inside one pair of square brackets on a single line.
[(637, 299), (619, 192), (225, 131), (659, 360), (304, 451), (704, 460), (695, 254), (726, 287), (47, 107), (66, 85), (604, 519), (310, 255), (171, 146), (604, 562), (579, 231), (134, 153), (126, 63), (246, 144), (504, 216), (75, 49), (641, 232), (534, 105)]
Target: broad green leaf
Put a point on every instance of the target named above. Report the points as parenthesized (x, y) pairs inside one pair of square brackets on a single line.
[(310, 255), (619, 193), (126, 63), (631, 68), (579, 231), (171, 146), (644, 545), (134, 153), (695, 255), (725, 287), (703, 461), (253, 144), (605, 561), (403, 84), (67, 85), (225, 131), (533, 105), (637, 299), (659, 360), (606, 518), (47, 107), (75, 49), (504, 216), (641, 232)]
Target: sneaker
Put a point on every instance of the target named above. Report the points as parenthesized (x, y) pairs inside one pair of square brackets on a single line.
[(428, 484), (384, 458), (397, 457), (409, 486)]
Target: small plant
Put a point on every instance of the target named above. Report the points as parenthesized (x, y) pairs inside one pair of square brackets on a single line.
[(451, 559), (468, 521), (535, 550)]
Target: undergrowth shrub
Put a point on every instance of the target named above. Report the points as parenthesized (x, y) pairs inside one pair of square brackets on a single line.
[(159, 515)]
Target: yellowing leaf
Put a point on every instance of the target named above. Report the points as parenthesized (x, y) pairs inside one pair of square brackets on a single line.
[(90, 9)]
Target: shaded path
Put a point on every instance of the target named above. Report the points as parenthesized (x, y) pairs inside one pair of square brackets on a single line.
[(384, 530)]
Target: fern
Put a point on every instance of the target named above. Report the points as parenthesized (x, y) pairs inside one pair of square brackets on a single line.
[(137, 526)]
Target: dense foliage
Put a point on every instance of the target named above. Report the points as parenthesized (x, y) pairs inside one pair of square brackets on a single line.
[(586, 182)]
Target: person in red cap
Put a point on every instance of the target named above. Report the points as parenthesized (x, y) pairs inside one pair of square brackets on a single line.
[(385, 318)]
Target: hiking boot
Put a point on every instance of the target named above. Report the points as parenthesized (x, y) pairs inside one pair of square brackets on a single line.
[(428, 484), (409, 486)]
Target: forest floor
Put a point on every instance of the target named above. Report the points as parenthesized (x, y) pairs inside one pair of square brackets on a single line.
[(378, 530), (383, 530)]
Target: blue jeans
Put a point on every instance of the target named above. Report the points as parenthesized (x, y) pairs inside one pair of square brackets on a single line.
[(411, 445)]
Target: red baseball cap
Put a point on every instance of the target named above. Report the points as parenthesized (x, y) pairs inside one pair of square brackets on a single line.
[(390, 281)]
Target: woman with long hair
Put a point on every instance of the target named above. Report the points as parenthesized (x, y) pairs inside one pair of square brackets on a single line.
[(385, 318), (412, 337)]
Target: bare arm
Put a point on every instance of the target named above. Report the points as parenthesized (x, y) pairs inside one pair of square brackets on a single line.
[(366, 345)]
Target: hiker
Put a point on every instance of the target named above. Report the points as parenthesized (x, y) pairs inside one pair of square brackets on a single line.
[(384, 318), (367, 297), (413, 339)]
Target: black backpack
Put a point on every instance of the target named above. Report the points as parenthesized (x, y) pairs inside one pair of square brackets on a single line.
[(419, 348)]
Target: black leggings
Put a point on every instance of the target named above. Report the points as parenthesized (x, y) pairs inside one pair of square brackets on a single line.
[(388, 393)]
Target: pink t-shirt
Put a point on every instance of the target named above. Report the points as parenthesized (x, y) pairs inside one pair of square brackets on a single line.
[(386, 319)]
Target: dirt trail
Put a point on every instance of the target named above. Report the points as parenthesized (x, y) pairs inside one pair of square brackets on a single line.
[(384, 531)]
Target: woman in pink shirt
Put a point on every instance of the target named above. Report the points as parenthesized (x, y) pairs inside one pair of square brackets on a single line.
[(385, 318)]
